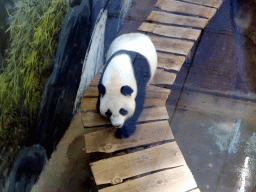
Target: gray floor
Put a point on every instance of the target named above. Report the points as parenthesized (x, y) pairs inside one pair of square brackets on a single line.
[(212, 113)]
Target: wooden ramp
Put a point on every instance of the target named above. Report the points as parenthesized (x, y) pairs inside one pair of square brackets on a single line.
[(150, 160)]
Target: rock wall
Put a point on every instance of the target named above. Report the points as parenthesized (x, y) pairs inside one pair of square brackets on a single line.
[(61, 88)]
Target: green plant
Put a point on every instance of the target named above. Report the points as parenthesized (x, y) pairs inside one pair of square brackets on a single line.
[(34, 29)]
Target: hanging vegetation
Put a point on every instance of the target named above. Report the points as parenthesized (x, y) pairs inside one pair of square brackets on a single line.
[(34, 29)]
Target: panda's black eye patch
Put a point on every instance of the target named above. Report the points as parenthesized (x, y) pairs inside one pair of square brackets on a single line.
[(123, 112), (108, 113), (126, 90)]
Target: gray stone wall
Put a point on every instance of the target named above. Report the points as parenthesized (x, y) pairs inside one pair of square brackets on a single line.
[(61, 88)]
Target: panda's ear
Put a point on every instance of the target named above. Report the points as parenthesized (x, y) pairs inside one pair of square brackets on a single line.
[(101, 89), (126, 90)]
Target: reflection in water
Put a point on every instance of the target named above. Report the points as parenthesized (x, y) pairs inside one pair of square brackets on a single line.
[(251, 144), (243, 13), (244, 174), (226, 135)]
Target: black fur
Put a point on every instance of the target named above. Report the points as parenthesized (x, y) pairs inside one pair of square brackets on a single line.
[(102, 92), (108, 113), (123, 112), (126, 90), (101, 89)]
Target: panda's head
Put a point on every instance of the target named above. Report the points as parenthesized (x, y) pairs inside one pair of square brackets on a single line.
[(116, 104)]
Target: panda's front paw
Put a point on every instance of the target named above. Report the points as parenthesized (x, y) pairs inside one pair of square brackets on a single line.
[(125, 132), (118, 134), (122, 133)]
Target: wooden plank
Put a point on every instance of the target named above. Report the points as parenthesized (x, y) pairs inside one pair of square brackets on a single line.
[(157, 90), (170, 31), (170, 61), (169, 18), (172, 180), (95, 80), (210, 3), (187, 8), (155, 113), (91, 91), (171, 45), (93, 119), (156, 97), (88, 104), (159, 101), (164, 77), (105, 141), (118, 168)]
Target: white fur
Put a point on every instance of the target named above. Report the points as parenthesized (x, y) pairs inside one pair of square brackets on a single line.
[(117, 102), (119, 73), (137, 42)]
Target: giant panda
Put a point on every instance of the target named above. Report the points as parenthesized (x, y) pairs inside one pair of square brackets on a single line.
[(122, 85)]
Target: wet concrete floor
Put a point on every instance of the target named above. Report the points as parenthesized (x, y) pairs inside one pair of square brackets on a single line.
[(212, 105)]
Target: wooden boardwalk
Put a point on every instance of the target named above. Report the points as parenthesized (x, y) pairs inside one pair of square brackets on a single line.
[(149, 160)]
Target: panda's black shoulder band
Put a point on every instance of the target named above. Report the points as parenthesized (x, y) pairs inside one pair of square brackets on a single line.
[(131, 54), (101, 89)]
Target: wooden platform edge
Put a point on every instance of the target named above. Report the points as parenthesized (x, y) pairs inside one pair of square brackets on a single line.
[(126, 166), (146, 133), (176, 179)]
